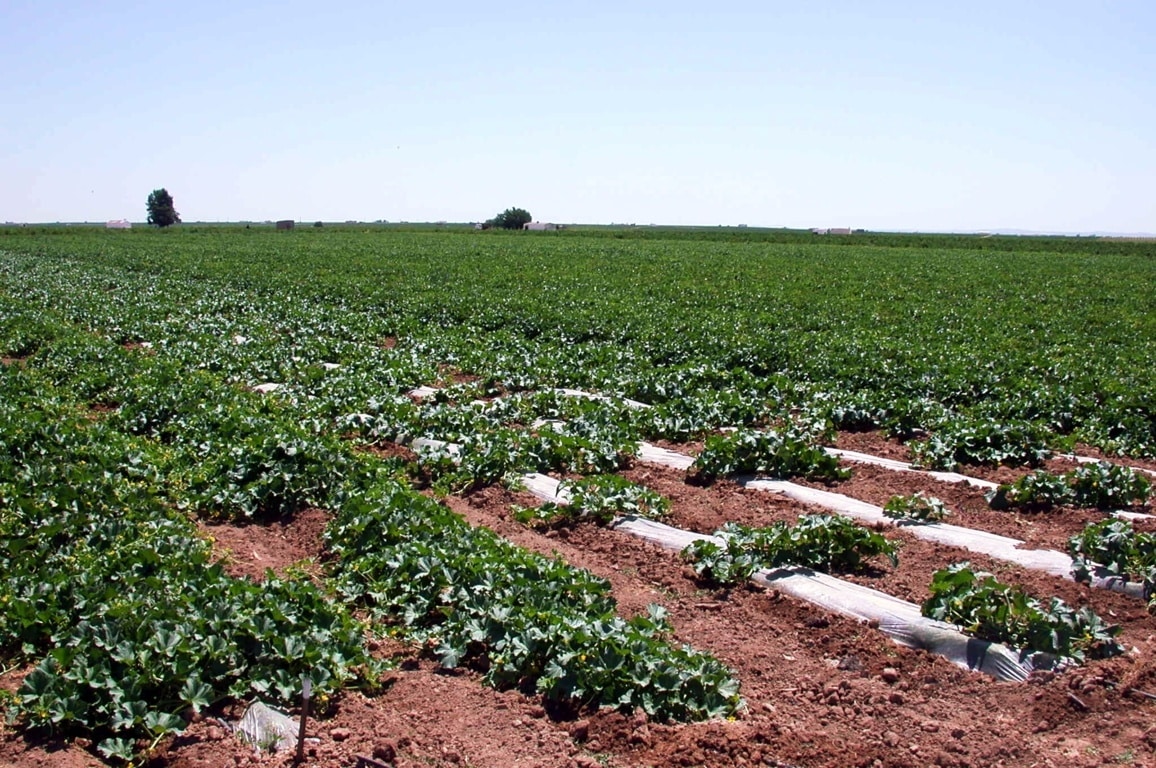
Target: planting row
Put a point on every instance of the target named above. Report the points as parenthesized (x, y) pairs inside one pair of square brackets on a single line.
[(111, 597)]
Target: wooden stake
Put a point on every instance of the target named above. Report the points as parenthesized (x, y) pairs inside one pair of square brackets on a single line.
[(306, 690)]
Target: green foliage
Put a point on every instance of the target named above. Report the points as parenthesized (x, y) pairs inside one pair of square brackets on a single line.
[(128, 369), (1101, 485), (599, 498), (526, 621), (727, 564), (161, 210), (1106, 486), (918, 508), (511, 218), (703, 326), (990, 610), (116, 598), (779, 454), (493, 442), (960, 441), (1035, 490), (830, 543), (1114, 548)]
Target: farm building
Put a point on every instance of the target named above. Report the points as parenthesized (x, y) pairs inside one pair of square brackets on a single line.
[(118, 224), (286, 224), (540, 226), (831, 231)]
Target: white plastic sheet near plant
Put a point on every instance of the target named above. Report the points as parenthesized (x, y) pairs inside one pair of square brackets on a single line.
[(990, 544), (903, 466), (267, 729), (982, 542), (898, 619)]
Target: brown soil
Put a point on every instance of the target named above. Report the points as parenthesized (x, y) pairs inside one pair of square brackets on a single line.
[(389, 451), (821, 690), (250, 550)]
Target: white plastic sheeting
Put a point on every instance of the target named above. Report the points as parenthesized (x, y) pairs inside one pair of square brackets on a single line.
[(429, 447), (982, 542), (990, 544), (898, 619), (1090, 460), (903, 466), (993, 545), (267, 729), (545, 488), (592, 396), (652, 454)]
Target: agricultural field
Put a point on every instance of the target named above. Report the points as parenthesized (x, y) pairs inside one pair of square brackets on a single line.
[(569, 498)]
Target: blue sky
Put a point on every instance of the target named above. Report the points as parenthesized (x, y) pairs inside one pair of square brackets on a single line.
[(883, 115)]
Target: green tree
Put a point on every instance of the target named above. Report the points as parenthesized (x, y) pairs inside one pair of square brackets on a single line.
[(512, 218), (160, 208)]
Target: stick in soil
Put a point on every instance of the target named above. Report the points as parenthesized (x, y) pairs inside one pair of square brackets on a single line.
[(306, 689)]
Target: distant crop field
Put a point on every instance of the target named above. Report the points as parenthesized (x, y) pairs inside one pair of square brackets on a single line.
[(385, 398), (1063, 338)]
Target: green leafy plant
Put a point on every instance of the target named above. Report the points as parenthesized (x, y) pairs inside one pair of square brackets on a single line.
[(474, 599), (994, 611), (829, 543), (779, 454), (918, 508), (1100, 485), (1115, 548), (1035, 490), (1104, 485), (725, 565), (600, 498), (981, 441)]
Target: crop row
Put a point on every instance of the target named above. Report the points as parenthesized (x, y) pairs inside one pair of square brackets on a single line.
[(110, 593)]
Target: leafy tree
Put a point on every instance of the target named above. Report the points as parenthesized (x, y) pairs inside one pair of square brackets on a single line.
[(160, 208), (511, 218)]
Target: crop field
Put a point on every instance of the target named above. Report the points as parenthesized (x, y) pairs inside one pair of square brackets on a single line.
[(621, 497)]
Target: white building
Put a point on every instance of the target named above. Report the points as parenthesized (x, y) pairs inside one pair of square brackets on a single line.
[(118, 224)]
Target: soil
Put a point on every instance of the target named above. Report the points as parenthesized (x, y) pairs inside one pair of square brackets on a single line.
[(820, 690), (252, 550)]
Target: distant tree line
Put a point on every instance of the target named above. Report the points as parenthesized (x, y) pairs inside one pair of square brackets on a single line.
[(511, 218)]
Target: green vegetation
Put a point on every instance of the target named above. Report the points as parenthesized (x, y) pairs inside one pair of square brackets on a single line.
[(161, 210), (784, 455), (998, 354), (917, 508), (115, 598), (511, 218), (829, 543), (528, 622), (1101, 486), (1114, 548), (133, 373), (599, 498), (991, 610)]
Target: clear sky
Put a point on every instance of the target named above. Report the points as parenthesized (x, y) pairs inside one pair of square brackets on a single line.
[(920, 115)]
